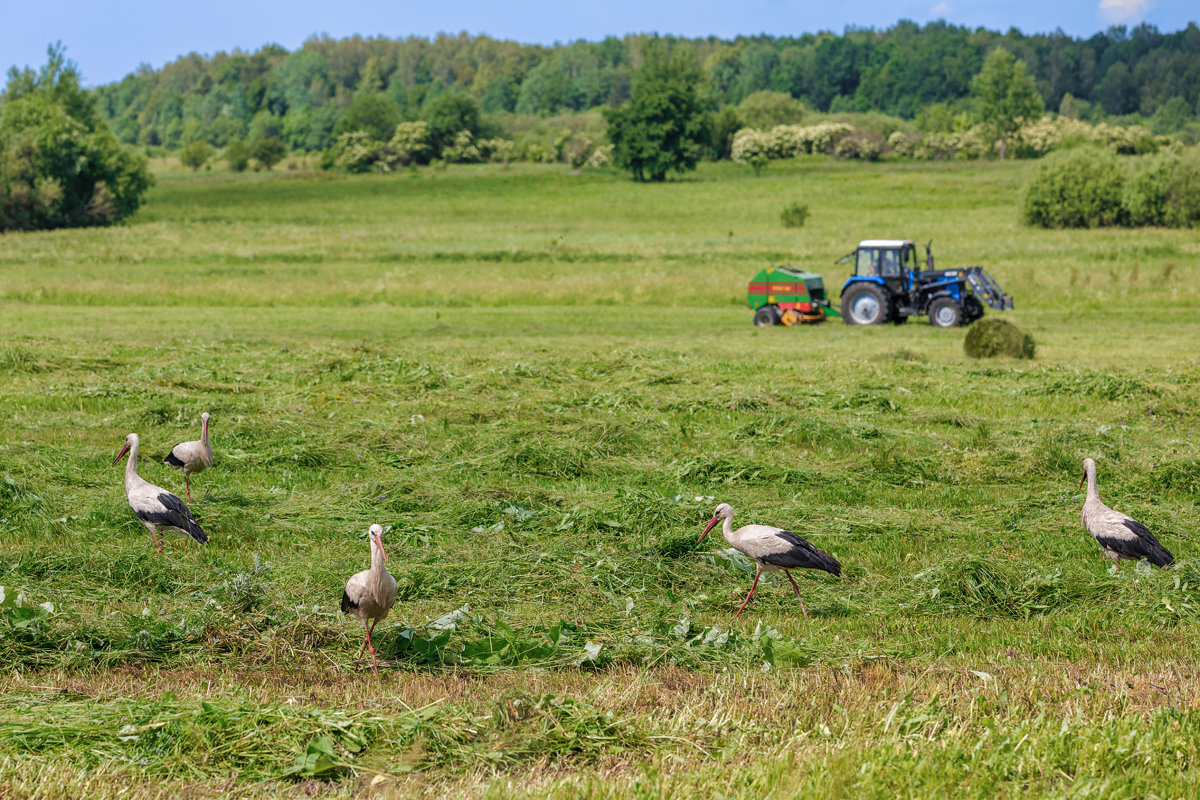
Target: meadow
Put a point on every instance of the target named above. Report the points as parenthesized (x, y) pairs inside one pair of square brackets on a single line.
[(543, 383)]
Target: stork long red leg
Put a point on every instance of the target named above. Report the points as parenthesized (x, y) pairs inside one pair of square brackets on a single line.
[(374, 664), (157, 546), (797, 590), (188, 486), (364, 647), (747, 600)]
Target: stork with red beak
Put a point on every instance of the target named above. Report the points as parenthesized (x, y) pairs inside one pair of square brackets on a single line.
[(154, 506), (370, 594), (771, 550)]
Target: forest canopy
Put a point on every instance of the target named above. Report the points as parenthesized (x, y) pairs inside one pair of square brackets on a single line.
[(302, 96)]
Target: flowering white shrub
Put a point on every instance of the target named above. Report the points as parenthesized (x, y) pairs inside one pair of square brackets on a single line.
[(748, 143), (600, 157), (463, 150), (410, 143), (903, 144), (496, 149), (1039, 137), (358, 152)]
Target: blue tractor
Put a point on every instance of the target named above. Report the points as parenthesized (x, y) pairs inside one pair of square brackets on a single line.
[(889, 285)]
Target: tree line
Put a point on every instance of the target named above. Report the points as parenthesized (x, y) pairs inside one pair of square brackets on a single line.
[(308, 96)]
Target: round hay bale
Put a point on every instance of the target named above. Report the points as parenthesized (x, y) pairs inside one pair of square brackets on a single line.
[(993, 337)]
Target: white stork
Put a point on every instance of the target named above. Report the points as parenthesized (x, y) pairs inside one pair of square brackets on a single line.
[(189, 457), (1118, 535), (370, 594), (154, 506), (771, 549)]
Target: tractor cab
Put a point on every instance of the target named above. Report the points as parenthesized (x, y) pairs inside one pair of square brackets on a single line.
[(892, 260)]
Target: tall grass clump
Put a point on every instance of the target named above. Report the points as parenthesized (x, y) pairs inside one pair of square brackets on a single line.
[(794, 215)]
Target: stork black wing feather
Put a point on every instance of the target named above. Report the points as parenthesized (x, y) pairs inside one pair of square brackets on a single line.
[(1148, 546), (176, 515), (172, 461), (347, 603), (802, 555)]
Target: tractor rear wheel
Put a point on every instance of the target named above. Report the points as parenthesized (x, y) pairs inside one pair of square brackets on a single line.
[(766, 315), (865, 304), (945, 312)]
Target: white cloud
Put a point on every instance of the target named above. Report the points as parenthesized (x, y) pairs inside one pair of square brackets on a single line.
[(1115, 12), (942, 9)]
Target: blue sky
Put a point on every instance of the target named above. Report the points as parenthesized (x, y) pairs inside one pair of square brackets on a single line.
[(110, 39)]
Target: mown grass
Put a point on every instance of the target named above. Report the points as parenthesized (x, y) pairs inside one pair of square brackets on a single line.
[(543, 384)]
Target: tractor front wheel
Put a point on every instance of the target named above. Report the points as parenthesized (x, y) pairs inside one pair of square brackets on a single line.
[(945, 312), (865, 304), (766, 315)]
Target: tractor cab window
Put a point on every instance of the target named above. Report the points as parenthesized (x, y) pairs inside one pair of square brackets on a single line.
[(889, 263), (909, 259), (867, 258)]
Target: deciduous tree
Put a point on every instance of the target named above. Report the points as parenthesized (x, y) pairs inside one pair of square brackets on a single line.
[(664, 125), (60, 166), (1007, 94), (269, 151), (195, 155)]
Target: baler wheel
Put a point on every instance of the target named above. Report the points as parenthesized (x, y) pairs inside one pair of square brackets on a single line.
[(766, 316)]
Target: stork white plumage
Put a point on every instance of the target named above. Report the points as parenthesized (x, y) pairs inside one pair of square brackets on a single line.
[(1119, 535), (370, 594), (189, 457), (771, 549), (157, 508)]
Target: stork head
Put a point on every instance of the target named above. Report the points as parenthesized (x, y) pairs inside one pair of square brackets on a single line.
[(1089, 468), (204, 418), (130, 441), (376, 536), (723, 511)]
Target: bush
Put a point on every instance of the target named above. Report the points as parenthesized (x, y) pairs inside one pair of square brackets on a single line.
[(195, 155), (269, 151), (765, 109), (370, 112), (992, 337), (237, 155), (410, 143), (794, 215), (1145, 196), (1183, 192), (447, 116), (1078, 188)]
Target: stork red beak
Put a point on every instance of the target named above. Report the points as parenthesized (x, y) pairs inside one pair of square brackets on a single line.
[(124, 450), (382, 552), (1083, 480), (708, 528)]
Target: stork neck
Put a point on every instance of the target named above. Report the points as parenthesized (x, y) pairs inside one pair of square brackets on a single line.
[(131, 463), (1092, 492), (377, 567), (204, 432), (727, 529)]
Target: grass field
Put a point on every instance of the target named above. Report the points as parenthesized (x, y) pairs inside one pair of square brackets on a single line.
[(543, 383)]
